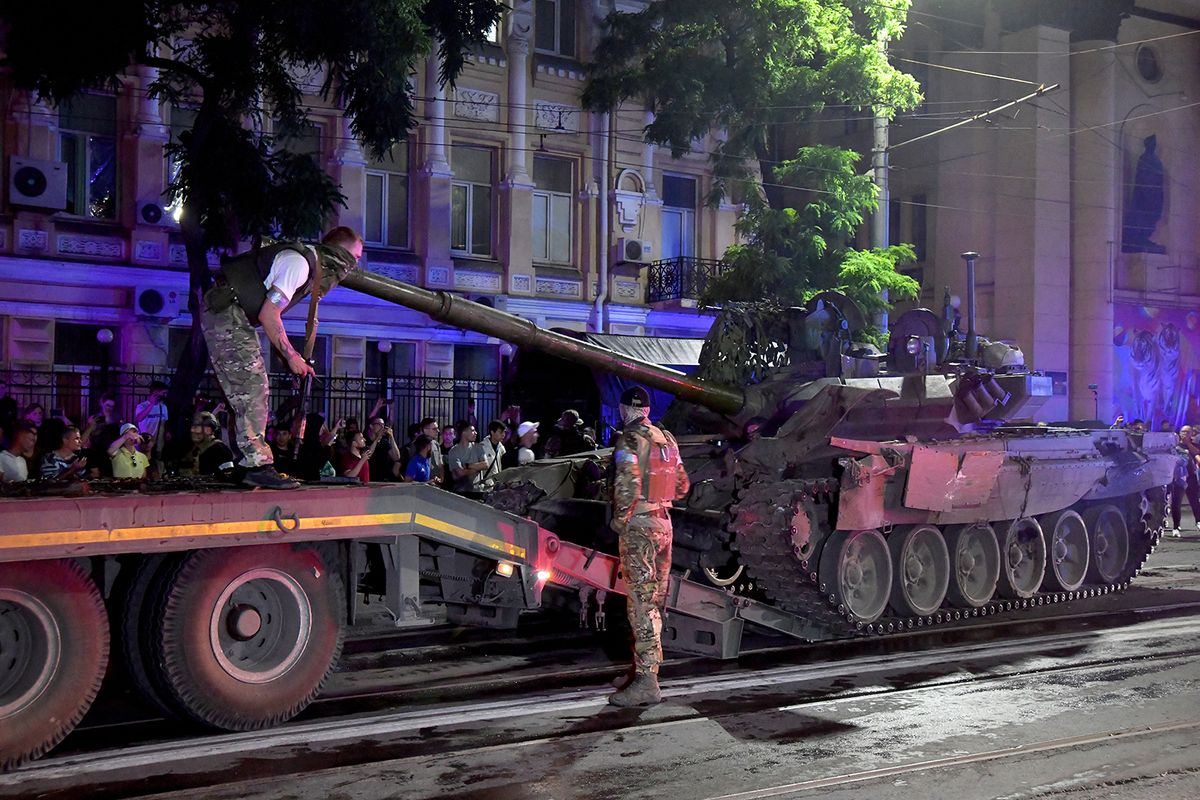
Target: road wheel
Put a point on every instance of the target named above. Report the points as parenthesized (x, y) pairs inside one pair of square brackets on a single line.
[(975, 565), (1022, 559), (53, 651), (249, 635), (1109, 536), (856, 567), (1067, 549), (921, 564)]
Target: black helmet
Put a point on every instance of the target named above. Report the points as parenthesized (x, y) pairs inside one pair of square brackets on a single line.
[(206, 419), (636, 397)]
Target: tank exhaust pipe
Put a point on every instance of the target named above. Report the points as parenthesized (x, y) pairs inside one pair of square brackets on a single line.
[(972, 342)]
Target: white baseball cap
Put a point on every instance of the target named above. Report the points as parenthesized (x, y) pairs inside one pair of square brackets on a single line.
[(526, 427)]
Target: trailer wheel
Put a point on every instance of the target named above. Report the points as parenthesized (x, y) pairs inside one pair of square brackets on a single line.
[(249, 635), (137, 632), (53, 651)]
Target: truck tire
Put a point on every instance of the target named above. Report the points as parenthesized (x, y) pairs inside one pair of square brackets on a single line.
[(138, 654), (248, 635), (53, 651)]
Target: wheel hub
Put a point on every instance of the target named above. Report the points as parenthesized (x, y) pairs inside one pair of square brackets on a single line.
[(245, 622), (30, 648)]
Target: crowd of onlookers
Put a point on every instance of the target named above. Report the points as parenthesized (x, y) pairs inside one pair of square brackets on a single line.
[(1187, 475), (462, 457)]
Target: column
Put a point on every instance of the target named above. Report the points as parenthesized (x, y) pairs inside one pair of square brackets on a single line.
[(431, 215), (143, 150), (1095, 174), (516, 192), (349, 169)]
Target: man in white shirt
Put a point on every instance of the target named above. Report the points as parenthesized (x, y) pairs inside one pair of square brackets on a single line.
[(13, 466), (493, 447), (254, 290), (527, 436), (152, 412)]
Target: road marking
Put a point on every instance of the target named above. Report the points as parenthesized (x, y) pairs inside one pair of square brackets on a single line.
[(955, 761), (161, 755)]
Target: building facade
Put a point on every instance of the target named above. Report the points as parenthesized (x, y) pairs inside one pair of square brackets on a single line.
[(1081, 202), (507, 192)]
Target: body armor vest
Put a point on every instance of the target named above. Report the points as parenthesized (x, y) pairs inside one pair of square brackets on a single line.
[(245, 275), (659, 456)]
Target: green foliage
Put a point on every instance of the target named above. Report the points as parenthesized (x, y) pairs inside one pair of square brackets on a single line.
[(238, 62), (753, 71)]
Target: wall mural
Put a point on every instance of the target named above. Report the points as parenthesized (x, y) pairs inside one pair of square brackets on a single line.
[(1156, 355)]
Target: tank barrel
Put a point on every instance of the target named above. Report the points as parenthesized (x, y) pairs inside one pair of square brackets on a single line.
[(460, 313)]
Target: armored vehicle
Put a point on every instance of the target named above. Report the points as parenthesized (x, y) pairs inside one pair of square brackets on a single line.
[(867, 492)]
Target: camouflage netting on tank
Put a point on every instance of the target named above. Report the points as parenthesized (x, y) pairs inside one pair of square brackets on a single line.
[(747, 342)]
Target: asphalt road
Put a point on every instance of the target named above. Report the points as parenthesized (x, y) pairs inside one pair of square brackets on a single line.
[(1092, 712)]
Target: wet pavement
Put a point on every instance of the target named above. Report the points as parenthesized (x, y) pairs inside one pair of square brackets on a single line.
[(1083, 713)]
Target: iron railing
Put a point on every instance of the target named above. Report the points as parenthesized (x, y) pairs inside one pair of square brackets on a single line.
[(75, 391), (682, 278)]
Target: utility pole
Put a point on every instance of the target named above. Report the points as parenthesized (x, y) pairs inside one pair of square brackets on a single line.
[(880, 222)]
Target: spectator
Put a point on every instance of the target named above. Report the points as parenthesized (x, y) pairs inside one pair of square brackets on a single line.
[(385, 463), (494, 451), (1138, 426), (127, 460), (1165, 426), (418, 469), (467, 461), (315, 452), (527, 436), (406, 452), (471, 417), (355, 462), (344, 433), (101, 430), (568, 438), (209, 455), (151, 413), (8, 410), (281, 449), (34, 413), (64, 462), (437, 459), (1191, 480), (14, 463)]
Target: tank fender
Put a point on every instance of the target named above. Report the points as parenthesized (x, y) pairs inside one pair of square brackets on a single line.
[(864, 480)]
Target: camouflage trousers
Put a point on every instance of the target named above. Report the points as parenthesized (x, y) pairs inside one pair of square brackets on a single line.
[(646, 561), (237, 360)]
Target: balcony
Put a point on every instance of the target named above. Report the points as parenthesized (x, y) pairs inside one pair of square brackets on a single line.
[(681, 278)]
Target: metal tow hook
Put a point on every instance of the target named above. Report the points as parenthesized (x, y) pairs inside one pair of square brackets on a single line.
[(277, 516)]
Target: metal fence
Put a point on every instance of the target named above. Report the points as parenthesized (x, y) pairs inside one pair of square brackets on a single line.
[(682, 278), (75, 392)]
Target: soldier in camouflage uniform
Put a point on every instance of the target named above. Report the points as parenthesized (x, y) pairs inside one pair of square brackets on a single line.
[(256, 289), (650, 476)]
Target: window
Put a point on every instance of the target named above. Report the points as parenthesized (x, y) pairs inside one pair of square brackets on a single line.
[(554, 27), (385, 221), (88, 145), (552, 210), (304, 141), (678, 217), (183, 119), (471, 200), (493, 33), (78, 344)]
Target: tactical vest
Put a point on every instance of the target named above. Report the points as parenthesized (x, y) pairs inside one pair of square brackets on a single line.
[(245, 275), (659, 457)]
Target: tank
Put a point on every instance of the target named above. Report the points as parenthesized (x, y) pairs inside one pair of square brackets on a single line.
[(870, 492)]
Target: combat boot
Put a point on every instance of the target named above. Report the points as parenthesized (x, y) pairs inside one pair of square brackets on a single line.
[(642, 691), (267, 478)]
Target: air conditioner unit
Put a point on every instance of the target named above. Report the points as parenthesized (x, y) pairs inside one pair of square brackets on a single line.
[(153, 301), (41, 184), (151, 212), (637, 251)]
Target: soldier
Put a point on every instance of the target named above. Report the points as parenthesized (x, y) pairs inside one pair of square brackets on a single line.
[(256, 289), (650, 476)]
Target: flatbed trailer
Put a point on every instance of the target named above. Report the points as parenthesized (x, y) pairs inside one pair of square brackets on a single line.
[(228, 607)]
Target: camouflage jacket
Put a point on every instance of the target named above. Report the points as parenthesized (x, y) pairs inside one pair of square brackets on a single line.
[(629, 486)]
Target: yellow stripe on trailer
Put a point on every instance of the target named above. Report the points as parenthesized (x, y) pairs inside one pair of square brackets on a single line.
[(193, 530), (471, 536)]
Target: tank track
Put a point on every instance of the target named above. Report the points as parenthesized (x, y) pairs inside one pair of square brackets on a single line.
[(765, 537)]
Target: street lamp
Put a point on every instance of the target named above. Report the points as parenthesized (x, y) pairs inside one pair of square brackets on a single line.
[(105, 337)]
